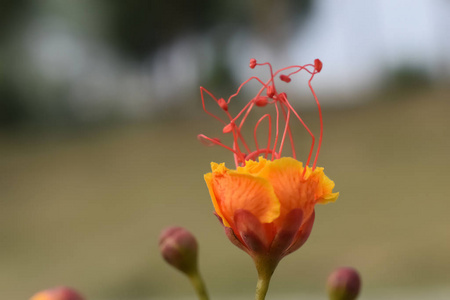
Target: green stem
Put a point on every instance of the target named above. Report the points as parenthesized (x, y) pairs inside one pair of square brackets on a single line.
[(261, 288), (265, 266), (199, 286)]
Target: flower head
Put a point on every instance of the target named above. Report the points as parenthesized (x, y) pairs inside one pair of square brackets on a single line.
[(58, 293), (266, 204)]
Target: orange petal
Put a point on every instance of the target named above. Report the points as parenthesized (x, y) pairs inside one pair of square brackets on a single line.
[(231, 191), (294, 190), (285, 175)]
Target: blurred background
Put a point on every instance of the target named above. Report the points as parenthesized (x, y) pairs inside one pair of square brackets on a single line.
[(99, 112)]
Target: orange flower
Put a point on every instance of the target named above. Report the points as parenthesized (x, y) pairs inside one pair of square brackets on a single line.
[(267, 206)]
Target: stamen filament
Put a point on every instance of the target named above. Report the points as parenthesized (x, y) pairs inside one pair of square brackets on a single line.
[(204, 107), (270, 133), (321, 122)]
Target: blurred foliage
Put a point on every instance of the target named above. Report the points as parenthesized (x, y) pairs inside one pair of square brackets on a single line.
[(135, 29), (140, 27), (408, 77), (10, 13)]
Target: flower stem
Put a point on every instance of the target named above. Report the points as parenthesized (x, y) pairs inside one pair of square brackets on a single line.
[(261, 287), (199, 286), (265, 267)]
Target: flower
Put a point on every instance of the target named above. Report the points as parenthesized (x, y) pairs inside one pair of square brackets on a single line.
[(269, 205), (58, 293), (266, 204)]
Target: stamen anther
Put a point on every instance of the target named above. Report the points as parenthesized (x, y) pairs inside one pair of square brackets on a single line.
[(270, 91), (285, 78), (318, 65), (261, 101), (223, 104), (252, 63), (228, 128), (282, 97), (208, 142)]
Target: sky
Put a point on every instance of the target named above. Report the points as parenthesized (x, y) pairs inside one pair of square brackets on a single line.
[(359, 42)]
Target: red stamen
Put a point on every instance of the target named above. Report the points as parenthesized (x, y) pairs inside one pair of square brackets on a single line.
[(203, 103), (244, 83), (280, 101), (228, 128), (270, 91), (276, 130), (321, 121), (318, 65), (260, 101), (215, 141), (286, 127), (270, 133), (285, 78), (254, 154), (307, 129), (223, 104), (209, 142)]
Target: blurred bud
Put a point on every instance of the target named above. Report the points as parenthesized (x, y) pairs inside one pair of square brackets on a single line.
[(179, 248), (343, 284), (58, 293)]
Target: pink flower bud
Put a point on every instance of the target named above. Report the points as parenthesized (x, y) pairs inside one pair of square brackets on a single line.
[(58, 293), (343, 284), (179, 248)]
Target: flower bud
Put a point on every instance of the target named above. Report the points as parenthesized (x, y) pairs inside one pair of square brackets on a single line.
[(58, 293), (343, 284), (179, 248)]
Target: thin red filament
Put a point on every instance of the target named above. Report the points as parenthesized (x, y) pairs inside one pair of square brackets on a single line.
[(280, 102)]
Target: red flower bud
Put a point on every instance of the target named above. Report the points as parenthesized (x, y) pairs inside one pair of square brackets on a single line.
[(58, 293), (343, 284), (179, 248)]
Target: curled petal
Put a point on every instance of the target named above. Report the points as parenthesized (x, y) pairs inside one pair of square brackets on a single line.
[(231, 191)]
